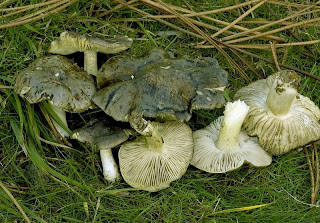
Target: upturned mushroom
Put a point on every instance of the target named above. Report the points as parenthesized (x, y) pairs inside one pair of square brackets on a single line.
[(159, 86), (151, 163), (279, 116), (70, 42), (223, 146), (56, 79), (104, 137)]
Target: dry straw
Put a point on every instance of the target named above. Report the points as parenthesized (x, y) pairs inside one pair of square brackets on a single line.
[(207, 28)]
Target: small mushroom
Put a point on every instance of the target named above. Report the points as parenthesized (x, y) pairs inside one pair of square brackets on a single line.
[(58, 80), (105, 138), (152, 163), (159, 86), (223, 146), (279, 116), (71, 42)]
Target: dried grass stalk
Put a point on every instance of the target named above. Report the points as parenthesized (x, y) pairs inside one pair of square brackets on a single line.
[(53, 6)]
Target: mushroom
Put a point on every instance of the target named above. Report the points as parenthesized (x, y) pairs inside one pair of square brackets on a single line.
[(105, 138), (58, 80), (71, 42), (279, 116), (159, 86), (223, 146), (152, 163)]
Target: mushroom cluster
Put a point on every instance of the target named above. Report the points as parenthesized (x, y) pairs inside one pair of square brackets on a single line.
[(165, 89), (156, 95), (271, 110), (68, 88)]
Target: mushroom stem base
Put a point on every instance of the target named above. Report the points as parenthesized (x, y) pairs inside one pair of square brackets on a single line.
[(109, 166)]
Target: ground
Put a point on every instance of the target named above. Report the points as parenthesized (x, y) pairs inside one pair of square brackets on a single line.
[(63, 184)]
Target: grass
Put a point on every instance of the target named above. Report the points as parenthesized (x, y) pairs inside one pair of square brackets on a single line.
[(59, 184)]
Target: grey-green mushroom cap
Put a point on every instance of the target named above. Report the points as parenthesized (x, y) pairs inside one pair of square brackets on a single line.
[(152, 163), (58, 80), (287, 120), (223, 146), (101, 134), (158, 85), (70, 42)]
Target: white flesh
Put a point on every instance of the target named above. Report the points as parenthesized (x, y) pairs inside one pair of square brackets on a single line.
[(90, 62), (109, 165)]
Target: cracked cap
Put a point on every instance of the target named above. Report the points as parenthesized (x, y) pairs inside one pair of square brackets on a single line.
[(58, 80), (158, 85)]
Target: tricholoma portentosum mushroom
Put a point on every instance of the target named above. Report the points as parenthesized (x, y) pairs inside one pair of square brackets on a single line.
[(223, 146), (64, 84), (279, 116), (158, 85), (70, 42), (152, 162), (104, 137)]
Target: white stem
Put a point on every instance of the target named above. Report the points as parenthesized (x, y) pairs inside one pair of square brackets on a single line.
[(62, 115), (109, 165), (279, 100), (234, 116), (91, 62), (283, 91)]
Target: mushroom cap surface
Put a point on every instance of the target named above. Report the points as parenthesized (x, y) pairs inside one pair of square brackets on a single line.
[(101, 134), (157, 85), (146, 169), (70, 42), (209, 158), (58, 80), (279, 134)]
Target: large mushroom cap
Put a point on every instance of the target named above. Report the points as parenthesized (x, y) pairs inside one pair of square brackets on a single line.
[(230, 153), (158, 85), (152, 163), (279, 133), (57, 79), (70, 42)]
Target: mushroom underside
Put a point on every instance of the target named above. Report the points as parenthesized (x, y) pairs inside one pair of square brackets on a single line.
[(279, 134), (148, 168), (209, 158)]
